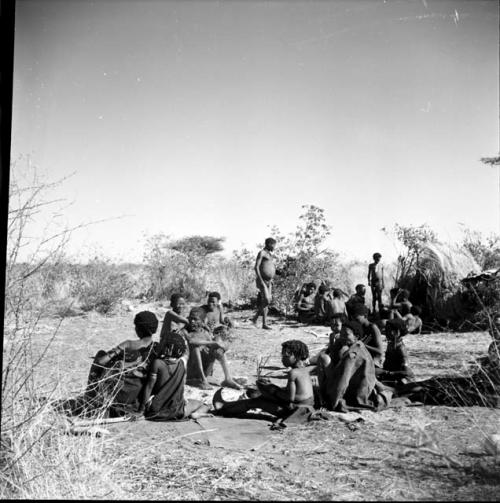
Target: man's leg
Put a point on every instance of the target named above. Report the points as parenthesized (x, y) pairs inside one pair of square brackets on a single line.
[(196, 355), (228, 381)]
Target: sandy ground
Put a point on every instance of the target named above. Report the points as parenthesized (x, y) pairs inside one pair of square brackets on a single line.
[(374, 459)]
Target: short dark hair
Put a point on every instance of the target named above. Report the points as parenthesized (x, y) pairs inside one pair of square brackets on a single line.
[(214, 294), (395, 324), (174, 298), (416, 310), (146, 324), (356, 327), (175, 345), (198, 311), (337, 292), (376, 256), (296, 348), (270, 241), (404, 292), (358, 286), (385, 313)]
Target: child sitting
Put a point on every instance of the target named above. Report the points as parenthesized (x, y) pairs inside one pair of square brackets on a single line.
[(305, 303), (338, 305), (163, 398), (215, 312), (174, 319), (280, 402), (204, 349), (396, 369)]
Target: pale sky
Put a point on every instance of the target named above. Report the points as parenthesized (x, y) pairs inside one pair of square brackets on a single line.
[(224, 117)]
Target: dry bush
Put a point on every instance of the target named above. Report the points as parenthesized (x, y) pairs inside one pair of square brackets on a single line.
[(37, 459), (99, 286)]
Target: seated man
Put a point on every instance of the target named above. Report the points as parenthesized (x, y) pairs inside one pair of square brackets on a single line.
[(338, 304), (357, 299), (280, 402), (305, 303), (163, 398), (174, 318), (351, 382), (204, 349), (215, 312), (396, 368), (322, 305)]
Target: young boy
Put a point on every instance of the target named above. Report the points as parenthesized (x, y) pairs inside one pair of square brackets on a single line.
[(396, 369), (280, 402), (265, 271), (376, 280), (204, 351), (163, 398), (174, 319), (215, 312), (305, 303)]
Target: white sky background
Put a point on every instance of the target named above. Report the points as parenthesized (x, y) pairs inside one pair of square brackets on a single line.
[(223, 118)]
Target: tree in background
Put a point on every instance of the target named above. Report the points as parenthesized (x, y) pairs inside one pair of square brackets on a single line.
[(302, 256), (484, 249), (179, 265)]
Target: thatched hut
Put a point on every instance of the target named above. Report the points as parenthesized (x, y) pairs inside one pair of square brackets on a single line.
[(434, 281)]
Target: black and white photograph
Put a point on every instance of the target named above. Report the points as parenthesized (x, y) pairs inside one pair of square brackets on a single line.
[(251, 250)]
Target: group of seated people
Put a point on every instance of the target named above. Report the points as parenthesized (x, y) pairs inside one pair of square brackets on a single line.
[(352, 372), (318, 303)]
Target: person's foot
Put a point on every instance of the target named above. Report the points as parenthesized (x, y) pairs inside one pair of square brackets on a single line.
[(217, 401), (204, 385), (266, 327), (254, 320), (229, 383)]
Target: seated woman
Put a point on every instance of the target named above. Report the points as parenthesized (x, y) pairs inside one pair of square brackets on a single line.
[(351, 382), (163, 398), (372, 337), (117, 377), (204, 350), (305, 303), (401, 303)]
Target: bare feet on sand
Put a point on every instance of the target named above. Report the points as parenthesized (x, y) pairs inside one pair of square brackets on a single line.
[(266, 327), (230, 384)]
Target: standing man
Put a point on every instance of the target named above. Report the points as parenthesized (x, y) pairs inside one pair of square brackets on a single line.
[(265, 271), (376, 280)]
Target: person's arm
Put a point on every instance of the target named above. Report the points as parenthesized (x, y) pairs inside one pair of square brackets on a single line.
[(178, 318), (382, 276), (221, 314), (370, 273), (112, 353), (197, 340), (291, 386), (152, 377)]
